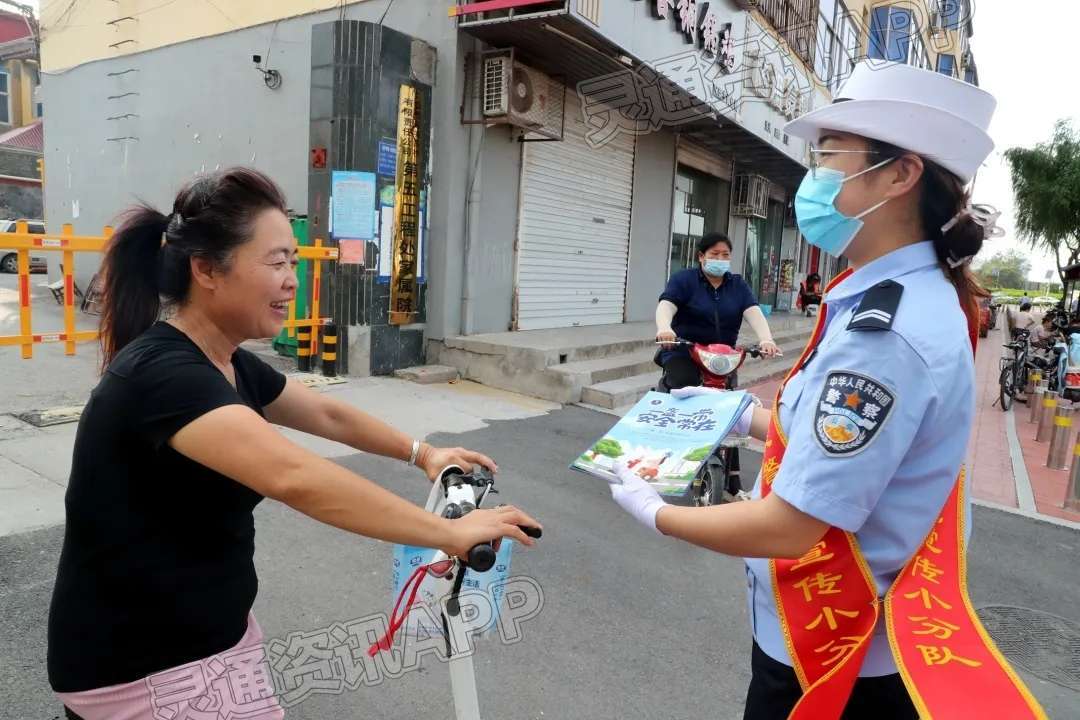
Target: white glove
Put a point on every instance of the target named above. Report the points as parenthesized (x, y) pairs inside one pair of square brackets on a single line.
[(636, 496)]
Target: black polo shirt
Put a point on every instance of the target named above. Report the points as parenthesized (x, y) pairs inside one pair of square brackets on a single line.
[(707, 314)]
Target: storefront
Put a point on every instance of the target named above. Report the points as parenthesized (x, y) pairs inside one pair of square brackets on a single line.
[(662, 124), (574, 229), (700, 206)]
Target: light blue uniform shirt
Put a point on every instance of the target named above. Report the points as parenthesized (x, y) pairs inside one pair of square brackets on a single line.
[(890, 491)]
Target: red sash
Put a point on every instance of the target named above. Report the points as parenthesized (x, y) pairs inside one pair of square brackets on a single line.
[(829, 606)]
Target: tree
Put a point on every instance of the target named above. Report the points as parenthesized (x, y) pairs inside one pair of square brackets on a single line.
[(1007, 269), (1046, 185), (699, 454), (608, 447)]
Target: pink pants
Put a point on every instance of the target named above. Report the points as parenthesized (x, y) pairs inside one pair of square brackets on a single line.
[(236, 681)]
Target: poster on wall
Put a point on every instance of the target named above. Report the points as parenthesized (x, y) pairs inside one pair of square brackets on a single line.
[(406, 229), (787, 276), (351, 252), (784, 298), (353, 196)]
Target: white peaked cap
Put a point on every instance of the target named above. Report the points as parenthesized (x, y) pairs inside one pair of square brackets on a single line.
[(933, 115)]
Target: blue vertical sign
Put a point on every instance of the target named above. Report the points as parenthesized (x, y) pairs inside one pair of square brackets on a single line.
[(387, 164)]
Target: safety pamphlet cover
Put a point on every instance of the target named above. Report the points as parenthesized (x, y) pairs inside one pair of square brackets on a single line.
[(665, 440), (482, 593)]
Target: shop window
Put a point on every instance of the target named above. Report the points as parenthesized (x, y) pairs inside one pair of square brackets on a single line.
[(946, 65), (5, 98), (700, 207)]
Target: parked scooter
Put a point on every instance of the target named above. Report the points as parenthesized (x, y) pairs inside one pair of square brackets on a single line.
[(717, 481)]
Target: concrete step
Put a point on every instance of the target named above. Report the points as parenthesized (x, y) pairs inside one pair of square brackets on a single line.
[(626, 391), (557, 364), (614, 367)]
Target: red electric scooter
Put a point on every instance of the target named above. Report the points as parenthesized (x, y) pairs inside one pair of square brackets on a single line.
[(717, 481)]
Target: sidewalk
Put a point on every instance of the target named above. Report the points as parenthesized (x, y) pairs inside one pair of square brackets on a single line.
[(35, 462), (1005, 473)]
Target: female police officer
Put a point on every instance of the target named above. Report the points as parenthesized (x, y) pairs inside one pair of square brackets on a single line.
[(855, 540)]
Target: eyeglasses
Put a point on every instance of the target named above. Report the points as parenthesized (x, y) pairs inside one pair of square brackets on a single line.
[(818, 156)]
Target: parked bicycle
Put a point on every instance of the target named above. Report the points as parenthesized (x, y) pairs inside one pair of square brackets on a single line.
[(1014, 370)]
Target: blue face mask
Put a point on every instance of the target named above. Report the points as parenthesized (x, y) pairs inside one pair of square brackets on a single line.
[(717, 268), (815, 207)]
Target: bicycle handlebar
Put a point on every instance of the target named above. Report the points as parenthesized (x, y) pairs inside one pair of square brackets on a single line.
[(753, 351), (461, 499)]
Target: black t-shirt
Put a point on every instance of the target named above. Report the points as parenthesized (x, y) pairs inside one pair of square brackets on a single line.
[(157, 566)]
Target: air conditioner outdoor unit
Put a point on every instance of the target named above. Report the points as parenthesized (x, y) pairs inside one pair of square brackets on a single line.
[(516, 94), (751, 196), (496, 84)]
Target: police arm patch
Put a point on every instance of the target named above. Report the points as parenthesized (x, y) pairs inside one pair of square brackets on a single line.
[(850, 413)]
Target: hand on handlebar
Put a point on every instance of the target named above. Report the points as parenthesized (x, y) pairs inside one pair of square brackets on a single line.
[(435, 460), (769, 349), (666, 337), (481, 526)]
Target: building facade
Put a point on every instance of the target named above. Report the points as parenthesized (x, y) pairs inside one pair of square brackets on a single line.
[(20, 119), (574, 150)]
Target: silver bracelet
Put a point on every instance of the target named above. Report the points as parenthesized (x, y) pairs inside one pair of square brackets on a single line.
[(415, 452)]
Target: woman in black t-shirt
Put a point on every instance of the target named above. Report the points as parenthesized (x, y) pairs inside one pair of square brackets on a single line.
[(176, 448)]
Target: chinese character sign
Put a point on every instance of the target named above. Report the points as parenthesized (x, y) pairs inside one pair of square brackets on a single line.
[(666, 440), (403, 282)]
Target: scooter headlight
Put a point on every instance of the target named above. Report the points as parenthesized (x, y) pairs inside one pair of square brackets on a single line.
[(719, 363)]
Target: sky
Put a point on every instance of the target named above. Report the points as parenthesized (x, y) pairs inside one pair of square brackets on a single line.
[(1026, 63)]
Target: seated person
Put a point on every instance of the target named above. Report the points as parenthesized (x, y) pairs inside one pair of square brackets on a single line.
[(1044, 331), (1023, 319), (809, 292), (706, 305)]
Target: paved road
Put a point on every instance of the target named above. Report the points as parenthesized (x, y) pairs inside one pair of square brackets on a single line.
[(633, 625)]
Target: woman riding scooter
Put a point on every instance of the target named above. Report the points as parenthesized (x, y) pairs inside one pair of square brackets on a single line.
[(707, 306)]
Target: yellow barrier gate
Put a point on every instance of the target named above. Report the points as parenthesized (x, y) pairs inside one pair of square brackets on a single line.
[(68, 243)]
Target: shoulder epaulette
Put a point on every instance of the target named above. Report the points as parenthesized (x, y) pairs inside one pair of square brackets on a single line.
[(878, 307)]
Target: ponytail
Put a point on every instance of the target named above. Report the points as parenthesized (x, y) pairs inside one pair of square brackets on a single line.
[(942, 200), (147, 265), (132, 298)]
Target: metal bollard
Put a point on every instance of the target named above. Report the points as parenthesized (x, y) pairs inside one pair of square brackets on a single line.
[(1046, 418), (1036, 402), (1072, 498), (1061, 438), (1033, 381), (329, 353)]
